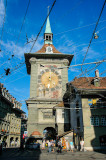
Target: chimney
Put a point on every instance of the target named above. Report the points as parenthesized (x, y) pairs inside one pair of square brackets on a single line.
[(97, 73), (96, 79)]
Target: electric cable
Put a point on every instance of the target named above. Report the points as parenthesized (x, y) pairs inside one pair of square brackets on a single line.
[(20, 64), (42, 26), (93, 33), (20, 29), (80, 28)]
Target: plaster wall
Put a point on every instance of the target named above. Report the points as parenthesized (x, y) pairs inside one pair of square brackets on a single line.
[(91, 133)]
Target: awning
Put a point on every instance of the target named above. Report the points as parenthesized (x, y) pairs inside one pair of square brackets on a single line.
[(65, 133)]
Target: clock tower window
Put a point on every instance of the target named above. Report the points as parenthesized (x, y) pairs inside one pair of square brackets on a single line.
[(48, 37)]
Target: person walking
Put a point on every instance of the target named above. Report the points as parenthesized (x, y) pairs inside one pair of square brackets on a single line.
[(49, 146), (71, 146), (43, 145), (67, 145), (59, 146), (52, 145), (82, 145)]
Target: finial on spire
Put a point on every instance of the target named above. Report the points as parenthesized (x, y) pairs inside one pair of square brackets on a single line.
[(48, 35), (48, 10)]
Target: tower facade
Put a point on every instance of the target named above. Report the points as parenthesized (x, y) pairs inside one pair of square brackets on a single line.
[(47, 85)]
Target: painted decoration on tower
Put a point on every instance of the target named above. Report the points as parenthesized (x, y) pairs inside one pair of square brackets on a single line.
[(49, 81)]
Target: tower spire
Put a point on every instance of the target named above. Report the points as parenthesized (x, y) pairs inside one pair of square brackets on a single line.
[(48, 35)]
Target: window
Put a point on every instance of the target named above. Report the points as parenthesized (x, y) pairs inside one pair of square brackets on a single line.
[(50, 38), (94, 120), (103, 120), (46, 37), (77, 107), (78, 122)]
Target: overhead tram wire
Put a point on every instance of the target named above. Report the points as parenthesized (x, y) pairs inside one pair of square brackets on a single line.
[(93, 33), (80, 64), (20, 29), (67, 12), (22, 24), (79, 28), (3, 25), (42, 26), (20, 64)]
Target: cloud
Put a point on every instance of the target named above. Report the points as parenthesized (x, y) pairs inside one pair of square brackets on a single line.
[(74, 69), (91, 53), (66, 45), (10, 48), (2, 11), (81, 23)]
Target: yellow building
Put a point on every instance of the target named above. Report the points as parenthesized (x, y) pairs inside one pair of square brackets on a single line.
[(10, 119)]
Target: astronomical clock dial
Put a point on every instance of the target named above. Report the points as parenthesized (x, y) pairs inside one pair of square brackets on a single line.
[(49, 82), (49, 79)]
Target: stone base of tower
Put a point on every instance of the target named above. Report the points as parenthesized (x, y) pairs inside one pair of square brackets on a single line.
[(41, 117)]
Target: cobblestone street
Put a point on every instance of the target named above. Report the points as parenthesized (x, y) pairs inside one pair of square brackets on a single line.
[(16, 154)]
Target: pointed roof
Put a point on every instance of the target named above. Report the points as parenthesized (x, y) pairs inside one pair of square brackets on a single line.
[(43, 49), (48, 28)]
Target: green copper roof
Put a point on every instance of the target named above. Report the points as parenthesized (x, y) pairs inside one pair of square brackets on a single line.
[(48, 28)]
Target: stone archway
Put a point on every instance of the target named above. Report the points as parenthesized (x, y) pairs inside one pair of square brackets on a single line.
[(49, 133)]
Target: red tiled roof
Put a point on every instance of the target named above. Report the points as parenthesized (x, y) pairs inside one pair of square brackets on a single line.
[(43, 49), (34, 133), (86, 83)]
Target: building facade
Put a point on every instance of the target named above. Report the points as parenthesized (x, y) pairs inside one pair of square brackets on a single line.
[(88, 110), (24, 120), (47, 84), (10, 118)]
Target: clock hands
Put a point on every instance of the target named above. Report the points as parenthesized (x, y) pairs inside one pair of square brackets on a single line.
[(49, 79)]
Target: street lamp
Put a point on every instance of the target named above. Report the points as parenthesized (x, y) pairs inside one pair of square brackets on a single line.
[(96, 36)]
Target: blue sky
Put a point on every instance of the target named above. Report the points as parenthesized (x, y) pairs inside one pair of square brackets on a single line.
[(72, 23)]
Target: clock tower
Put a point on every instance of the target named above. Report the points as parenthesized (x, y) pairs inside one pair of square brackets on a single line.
[(49, 76)]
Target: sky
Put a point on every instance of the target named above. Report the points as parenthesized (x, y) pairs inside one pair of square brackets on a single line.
[(72, 23)]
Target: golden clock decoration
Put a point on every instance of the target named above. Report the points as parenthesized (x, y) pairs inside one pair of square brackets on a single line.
[(49, 79)]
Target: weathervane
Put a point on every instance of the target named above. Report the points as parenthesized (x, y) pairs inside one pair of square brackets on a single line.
[(48, 10)]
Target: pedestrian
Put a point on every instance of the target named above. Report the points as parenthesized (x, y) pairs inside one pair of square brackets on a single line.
[(15, 143), (82, 145), (59, 146), (52, 145), (43, 144), (71, 146), (67, 145), (49, 146)]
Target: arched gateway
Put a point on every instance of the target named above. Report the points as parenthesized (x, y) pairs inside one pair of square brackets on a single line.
[(49, 133), (47, 86)]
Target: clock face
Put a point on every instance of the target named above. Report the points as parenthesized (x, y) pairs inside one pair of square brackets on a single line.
[(49, 81), (49, 49)]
